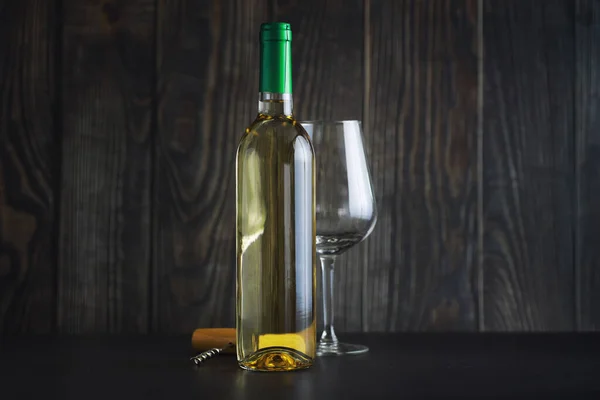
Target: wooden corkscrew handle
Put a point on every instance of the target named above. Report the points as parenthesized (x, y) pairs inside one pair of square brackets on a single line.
[(204, 339)]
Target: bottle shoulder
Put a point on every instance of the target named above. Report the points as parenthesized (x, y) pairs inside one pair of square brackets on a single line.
[(275, 128)]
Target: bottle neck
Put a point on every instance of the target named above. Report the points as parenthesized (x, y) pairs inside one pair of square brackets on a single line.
[(275, 104), (275, 85)]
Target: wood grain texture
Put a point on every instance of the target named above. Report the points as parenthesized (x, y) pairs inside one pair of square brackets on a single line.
[(528, 164), (587, 128), (27, 166), (422, 132), (208, 82), (107, 84), (119, 121), (327, 57), (328, 84)]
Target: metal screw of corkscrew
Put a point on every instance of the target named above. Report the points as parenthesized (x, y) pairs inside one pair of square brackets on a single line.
[(207, 355)]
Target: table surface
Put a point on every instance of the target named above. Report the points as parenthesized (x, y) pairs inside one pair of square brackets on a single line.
[(398, 366)]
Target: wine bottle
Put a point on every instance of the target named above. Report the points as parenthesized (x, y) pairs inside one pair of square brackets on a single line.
[(275, 221)]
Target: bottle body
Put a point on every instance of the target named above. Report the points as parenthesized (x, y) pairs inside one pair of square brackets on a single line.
[(275, 221)]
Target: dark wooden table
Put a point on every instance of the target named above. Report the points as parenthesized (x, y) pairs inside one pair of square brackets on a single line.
[(399, 366)]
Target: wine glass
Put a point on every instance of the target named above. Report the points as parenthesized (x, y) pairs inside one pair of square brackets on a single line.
[(345, 210)]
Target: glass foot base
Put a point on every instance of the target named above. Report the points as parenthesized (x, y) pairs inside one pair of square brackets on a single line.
[(340, 349)]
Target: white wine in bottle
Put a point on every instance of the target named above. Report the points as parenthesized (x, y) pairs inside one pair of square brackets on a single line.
[(275, 221)]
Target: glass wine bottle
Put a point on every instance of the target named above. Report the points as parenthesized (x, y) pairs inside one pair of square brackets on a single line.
[(275, 221)]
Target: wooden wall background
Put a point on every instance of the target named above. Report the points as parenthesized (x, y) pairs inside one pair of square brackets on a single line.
[(119, 121)]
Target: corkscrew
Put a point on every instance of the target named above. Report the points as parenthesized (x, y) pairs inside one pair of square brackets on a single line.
[(207, 355)]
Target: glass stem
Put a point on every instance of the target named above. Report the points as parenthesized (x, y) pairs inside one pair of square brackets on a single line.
[(328, 336)]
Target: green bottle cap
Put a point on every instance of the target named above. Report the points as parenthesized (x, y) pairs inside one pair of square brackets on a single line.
[(276, 57)]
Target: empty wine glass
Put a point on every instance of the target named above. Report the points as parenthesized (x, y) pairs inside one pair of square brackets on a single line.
[(345, 208)]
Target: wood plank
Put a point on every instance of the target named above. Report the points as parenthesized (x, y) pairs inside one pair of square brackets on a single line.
[(327, 57), (28, 156), (208, 82), (528, 165), (587, 128), (328, 84), (108, 82), (422, 131)]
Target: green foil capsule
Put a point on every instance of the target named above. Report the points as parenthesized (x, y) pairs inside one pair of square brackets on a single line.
[(275, 57)]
